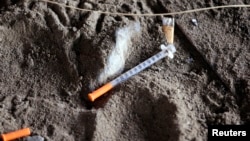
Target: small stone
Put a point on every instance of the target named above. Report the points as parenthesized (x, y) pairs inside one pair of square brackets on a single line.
[(74, 29), (17, 100), (30, 62), (194, 21), (35, 138), (88, 6)]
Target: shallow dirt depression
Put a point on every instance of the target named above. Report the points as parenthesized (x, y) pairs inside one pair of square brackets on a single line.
[(50, 57)]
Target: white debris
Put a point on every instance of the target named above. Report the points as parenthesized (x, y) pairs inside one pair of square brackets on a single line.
[(194, 21), (74, 29), (35, 138), (118, 55), (87, 5)]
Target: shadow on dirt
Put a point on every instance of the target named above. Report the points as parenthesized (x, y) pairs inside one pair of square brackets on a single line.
[(138, 114), (156, 117)]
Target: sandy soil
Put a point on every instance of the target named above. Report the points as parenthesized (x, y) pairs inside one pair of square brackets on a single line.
[(49, 55)]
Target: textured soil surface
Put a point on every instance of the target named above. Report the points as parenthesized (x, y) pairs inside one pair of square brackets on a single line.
[(50, 56)]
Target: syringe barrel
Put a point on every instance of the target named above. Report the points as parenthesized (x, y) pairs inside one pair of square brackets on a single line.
[(99, 92), (139, 67)]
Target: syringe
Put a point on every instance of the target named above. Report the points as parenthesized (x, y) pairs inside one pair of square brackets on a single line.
[(168, 29), (166, 51)]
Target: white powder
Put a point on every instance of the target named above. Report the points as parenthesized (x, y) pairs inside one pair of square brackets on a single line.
[(116, 59)]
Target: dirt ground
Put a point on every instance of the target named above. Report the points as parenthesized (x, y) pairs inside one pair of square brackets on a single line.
[(50, 54)]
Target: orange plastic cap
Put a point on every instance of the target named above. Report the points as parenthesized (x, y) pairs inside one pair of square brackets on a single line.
[(16, 134), (99, 92)]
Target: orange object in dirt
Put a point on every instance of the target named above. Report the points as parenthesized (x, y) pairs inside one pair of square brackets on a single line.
[(99, 92), (16, 134), (168, 29), (169, 33)]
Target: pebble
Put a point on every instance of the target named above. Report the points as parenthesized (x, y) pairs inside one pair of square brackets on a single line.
[(30, 62), (17, 100), (194, 21), (88, 5), (74, 29), (35, 138)]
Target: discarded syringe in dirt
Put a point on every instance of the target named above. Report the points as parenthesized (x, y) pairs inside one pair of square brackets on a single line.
[(168, 50)]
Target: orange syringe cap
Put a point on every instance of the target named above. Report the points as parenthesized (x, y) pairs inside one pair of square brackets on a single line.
[(16, 134), (99, 92)]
